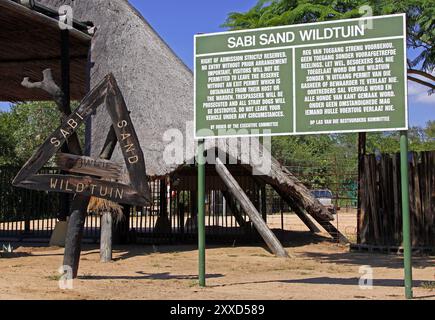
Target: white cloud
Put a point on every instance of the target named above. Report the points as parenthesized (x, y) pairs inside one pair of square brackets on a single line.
[(419, 93)]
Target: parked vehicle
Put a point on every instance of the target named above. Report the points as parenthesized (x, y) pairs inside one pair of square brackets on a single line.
[(325, 197)]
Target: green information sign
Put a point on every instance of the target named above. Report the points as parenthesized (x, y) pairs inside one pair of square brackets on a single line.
[(338, 76)]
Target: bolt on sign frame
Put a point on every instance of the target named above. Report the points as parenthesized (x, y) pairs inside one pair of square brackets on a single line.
[(316, 78)]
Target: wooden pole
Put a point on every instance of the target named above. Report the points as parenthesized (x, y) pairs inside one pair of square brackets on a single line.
[(73, 241), (261, 226), (66, 102), (361, 152), (74, 235), (234, 210), (106, 237), (300, 212), (122, 227)]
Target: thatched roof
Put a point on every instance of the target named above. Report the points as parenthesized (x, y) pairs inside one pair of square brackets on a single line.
[(157, 87), (30, 42), (155, 82)]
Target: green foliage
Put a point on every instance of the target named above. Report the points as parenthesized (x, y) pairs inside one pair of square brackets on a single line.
[(338, 152), (7, 150), (420, 18), (285, 12), (430, 130), (25, 128)]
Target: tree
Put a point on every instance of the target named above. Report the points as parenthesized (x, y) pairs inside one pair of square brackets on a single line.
[(7, 149), (322, 149), (420, 23), (430, 130), (420, 35), (25, 128)]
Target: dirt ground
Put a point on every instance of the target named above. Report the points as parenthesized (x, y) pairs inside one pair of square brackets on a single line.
[(317, 269)]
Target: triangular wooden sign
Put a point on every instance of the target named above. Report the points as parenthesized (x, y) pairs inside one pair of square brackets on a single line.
[(136, 193)]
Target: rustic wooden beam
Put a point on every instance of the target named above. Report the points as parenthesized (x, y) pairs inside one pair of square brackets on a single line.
[(234, 210), (362, 138), (76, 223), (163, 225), (85, 185), (89, 166), (262, 228), (300, 212), (106, 237), (281, 178), (74, 235), (122, 226), (127, 138)]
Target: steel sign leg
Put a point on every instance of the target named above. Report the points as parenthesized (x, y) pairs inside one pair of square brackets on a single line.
[(201, 213), (407, 250)]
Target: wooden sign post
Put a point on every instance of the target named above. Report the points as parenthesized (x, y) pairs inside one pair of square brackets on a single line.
[(92, 177)]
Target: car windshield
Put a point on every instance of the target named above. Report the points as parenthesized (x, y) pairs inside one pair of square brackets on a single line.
[(322, 194)]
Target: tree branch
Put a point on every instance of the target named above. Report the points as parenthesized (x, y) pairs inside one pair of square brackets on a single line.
[(422, 73), (424, 83), (49, 86)]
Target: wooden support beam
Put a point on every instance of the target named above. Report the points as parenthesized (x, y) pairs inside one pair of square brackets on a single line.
[(122, 227), (362, 137), (300, 212), (85, 165), (263, 202), (234, 188), (163, 225), (234, 210), (106, 237)]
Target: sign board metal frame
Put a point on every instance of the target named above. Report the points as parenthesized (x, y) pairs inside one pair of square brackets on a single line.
[(403, 142), (402, 37)]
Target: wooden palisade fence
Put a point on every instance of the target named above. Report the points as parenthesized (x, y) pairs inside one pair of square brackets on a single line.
[(380, 223)]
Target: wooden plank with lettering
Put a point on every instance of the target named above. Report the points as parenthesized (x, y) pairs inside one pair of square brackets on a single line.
[(127, 137), (85, 165), (86, 186)]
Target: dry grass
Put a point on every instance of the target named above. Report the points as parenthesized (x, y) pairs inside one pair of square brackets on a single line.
[(100, 206)]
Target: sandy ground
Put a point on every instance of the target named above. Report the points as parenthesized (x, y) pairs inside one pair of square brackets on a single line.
[(318, 269)]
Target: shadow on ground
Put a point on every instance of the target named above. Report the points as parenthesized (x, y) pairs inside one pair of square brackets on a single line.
[(371, 259), (330, 281), (152, 276)]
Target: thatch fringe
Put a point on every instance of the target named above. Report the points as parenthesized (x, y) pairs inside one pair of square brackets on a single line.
[(100, 206)]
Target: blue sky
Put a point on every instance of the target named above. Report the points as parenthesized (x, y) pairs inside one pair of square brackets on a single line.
[(177, 21)]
